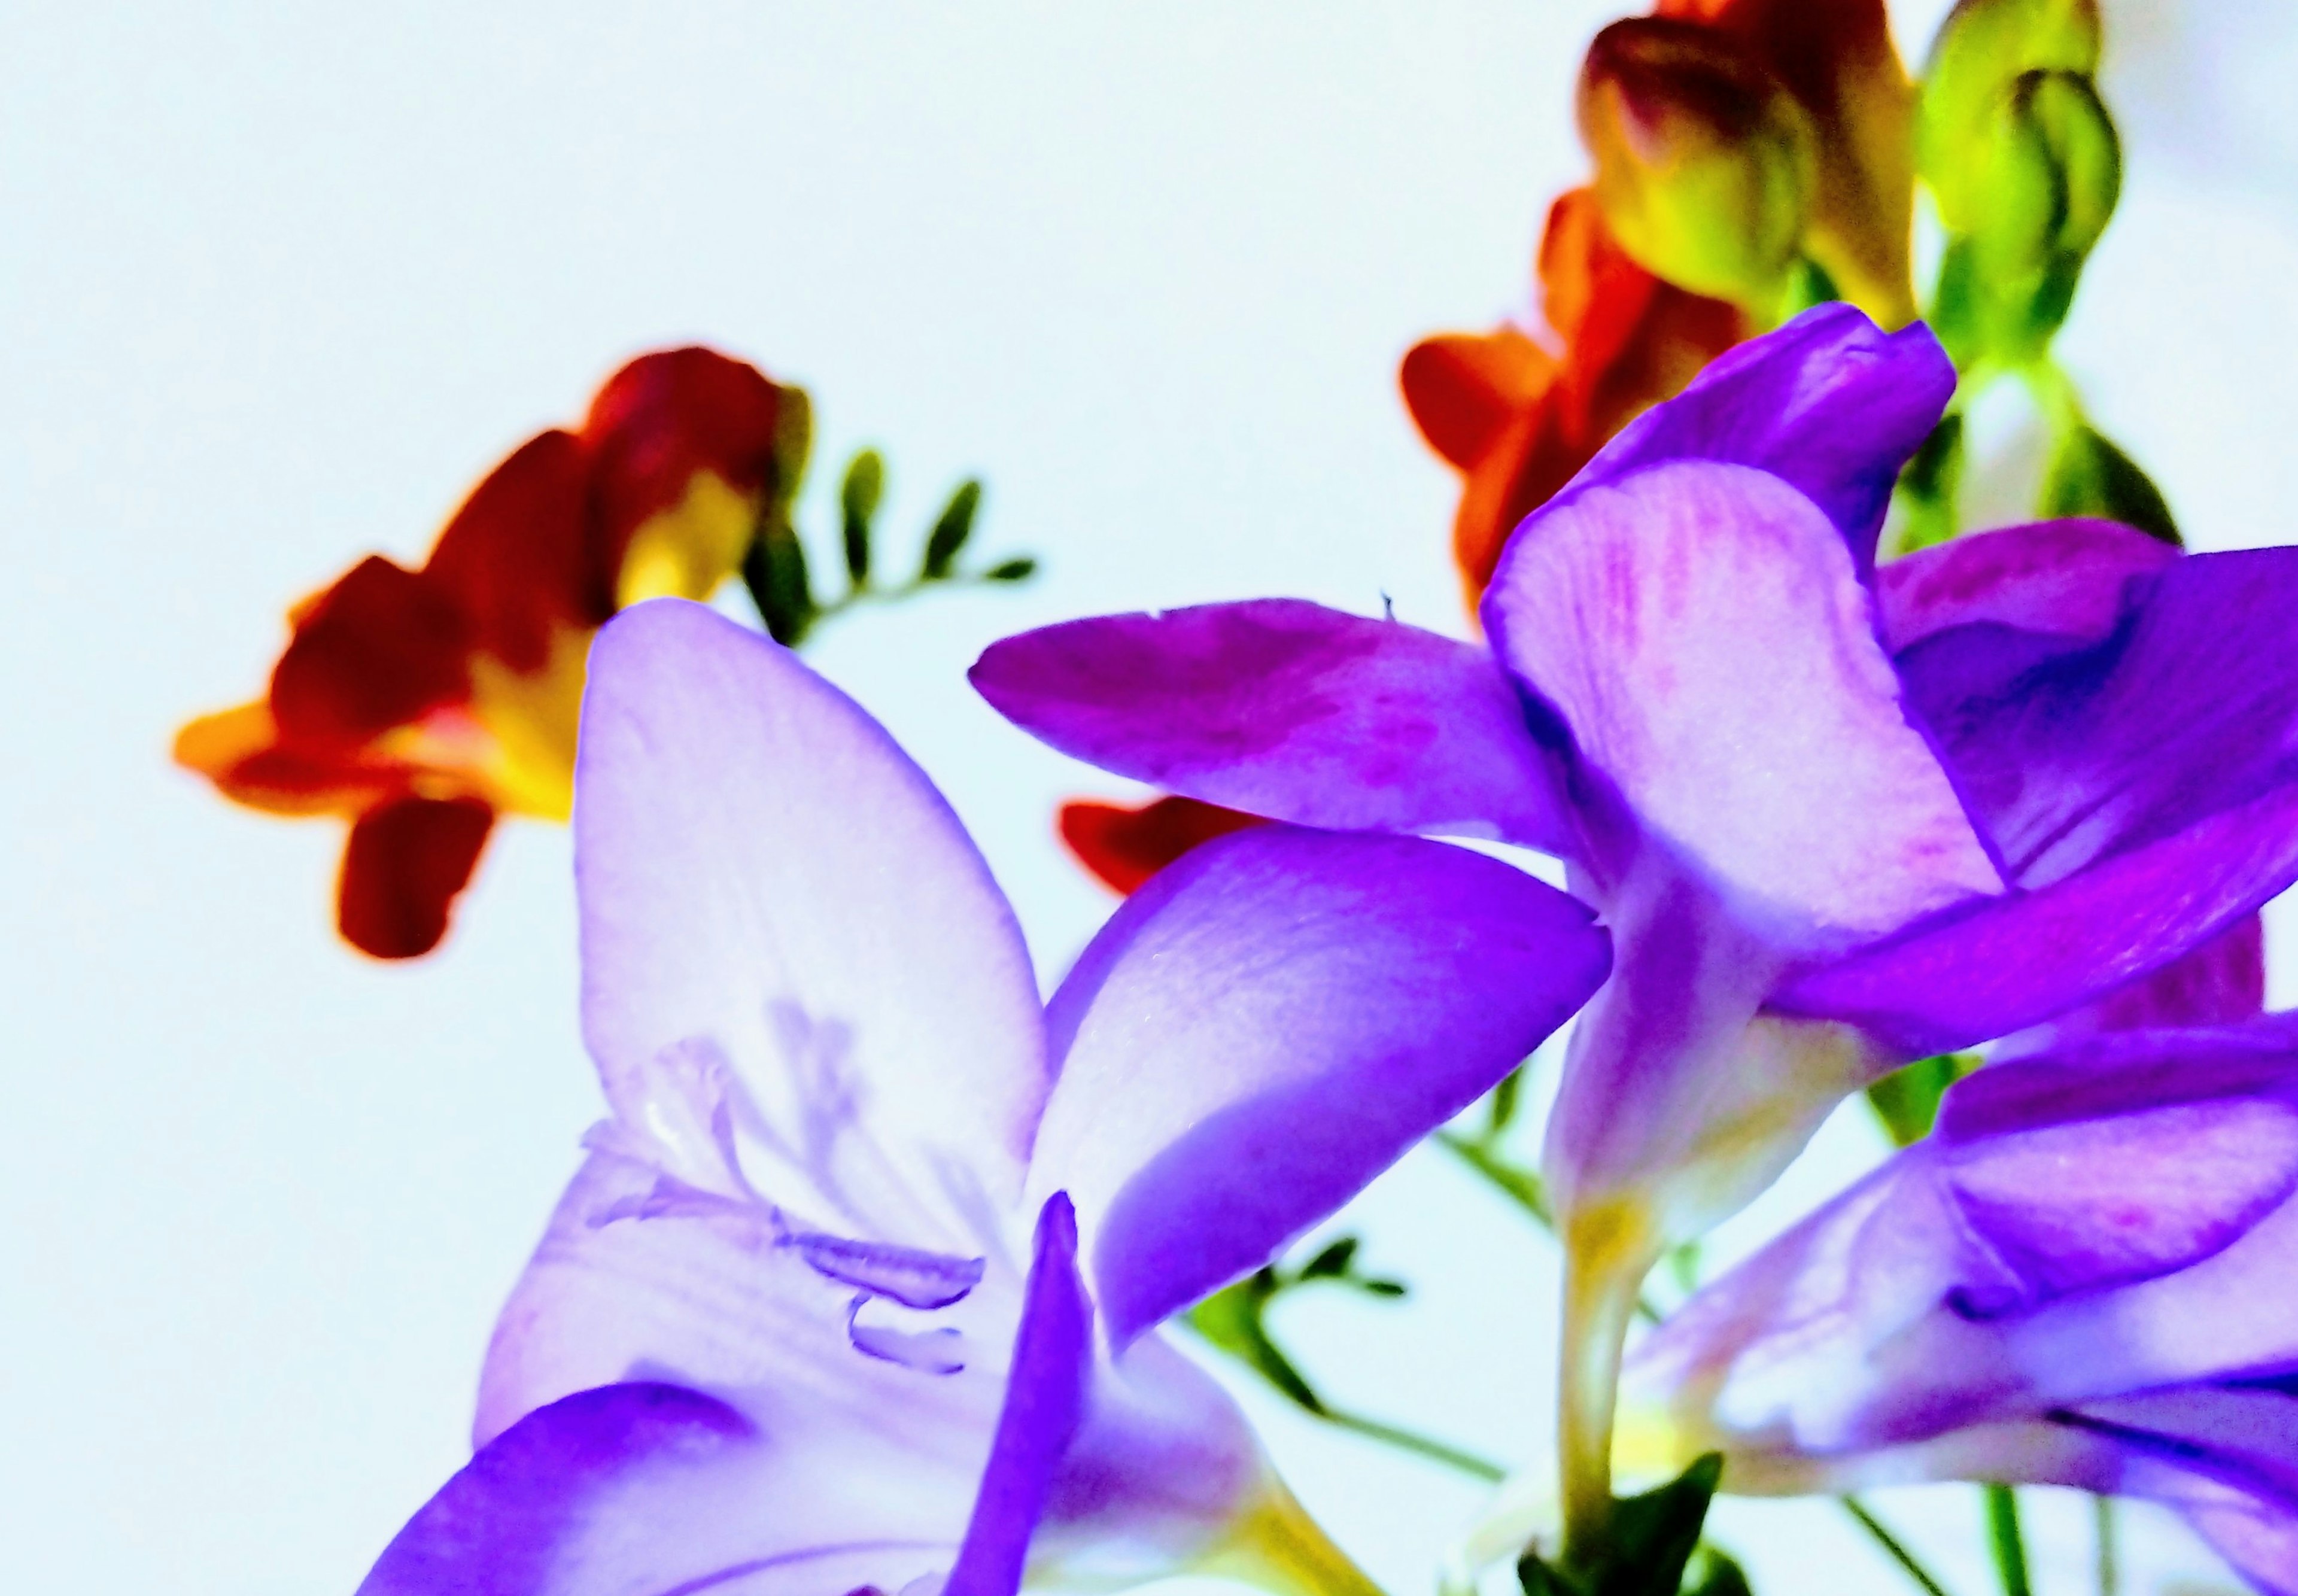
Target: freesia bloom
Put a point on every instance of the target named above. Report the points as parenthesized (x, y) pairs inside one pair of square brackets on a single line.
[(1732, 138), (420, 705), (2081, 1279), (1834, 819), (789, 1327)]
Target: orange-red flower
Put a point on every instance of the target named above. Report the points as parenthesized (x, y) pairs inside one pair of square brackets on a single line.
[(419, 705), (1685, 111), (1125, 847)]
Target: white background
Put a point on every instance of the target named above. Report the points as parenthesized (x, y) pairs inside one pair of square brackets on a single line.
[(277, 282)]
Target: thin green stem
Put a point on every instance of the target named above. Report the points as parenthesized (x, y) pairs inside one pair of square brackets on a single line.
[(1412, 1441), (1520, 1186), (2006, 1541), (1893, 1545), (2110, 1553)]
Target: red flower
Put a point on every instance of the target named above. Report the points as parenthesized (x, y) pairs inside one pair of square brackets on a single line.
[(419, 705), (1669, 103), (1126, 847)]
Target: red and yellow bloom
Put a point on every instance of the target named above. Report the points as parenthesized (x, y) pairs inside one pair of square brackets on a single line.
[(1747, 153), (419, 705)]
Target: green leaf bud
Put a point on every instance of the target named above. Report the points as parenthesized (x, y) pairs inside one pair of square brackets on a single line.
[(857, 499)]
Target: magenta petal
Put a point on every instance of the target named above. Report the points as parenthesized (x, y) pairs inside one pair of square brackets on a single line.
[(1044, 1402), (777, 904), (643, 1488), (1701, 630), (1271, 1022), (1292, 711), (2066, 578), (1828, 403), (1968, 975)]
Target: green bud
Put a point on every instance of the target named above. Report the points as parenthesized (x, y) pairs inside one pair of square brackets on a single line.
[(2052, 169), (775, 570), (950, 530), (857, 498), (1020, 568), (1704, 165), (1983, 47)]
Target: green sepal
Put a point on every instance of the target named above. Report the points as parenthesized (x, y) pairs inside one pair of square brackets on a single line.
[(775, 570), (1907, 1099), (1646, 1547), (950, 530), (2088, 475), (857, 499)]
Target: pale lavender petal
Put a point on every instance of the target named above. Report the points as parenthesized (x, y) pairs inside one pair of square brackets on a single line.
[(1968, 975), (1828, 403), (1677, 1100), (2065, 578), (1994, 1273), (652, 1490), (766, 879), (2072, 754), (1045, 1405), (1701, 631), (1290, 710), (1271, 1022), (636, 1282)]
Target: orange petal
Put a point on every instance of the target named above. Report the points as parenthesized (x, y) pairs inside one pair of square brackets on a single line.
[(403, 866), (239, 751), (1126, 847), (1464, 389)]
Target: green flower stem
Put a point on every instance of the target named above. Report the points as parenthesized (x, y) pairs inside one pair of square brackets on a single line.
[(2004, 1538), (2110, 1558), (1892, 1545), (1413, 1442), (1522, 1187)]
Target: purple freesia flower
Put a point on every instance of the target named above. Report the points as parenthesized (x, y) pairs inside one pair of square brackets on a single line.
[(1944, 801), (2081, 1279), (790, 1328), (1835, 817)]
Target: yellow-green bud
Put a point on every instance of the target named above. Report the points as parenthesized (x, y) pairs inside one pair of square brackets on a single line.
[(1704, 165), (1983, 48), (2048, 178)]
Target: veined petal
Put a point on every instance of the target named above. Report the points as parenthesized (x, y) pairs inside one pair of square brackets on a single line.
[(765, 875), (1290, 710), (1829, 403), (648, 1489), (1271, 1022), (642, 1275), (1701, 630), (2066, 578), (1045, 1405), (1991, 1274)]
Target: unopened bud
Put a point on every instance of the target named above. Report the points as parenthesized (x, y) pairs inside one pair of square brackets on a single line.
[(1983, 48), (1704, 165), (2052, 170)]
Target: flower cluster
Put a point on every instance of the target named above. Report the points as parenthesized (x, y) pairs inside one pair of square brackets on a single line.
[(875, 1275)]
